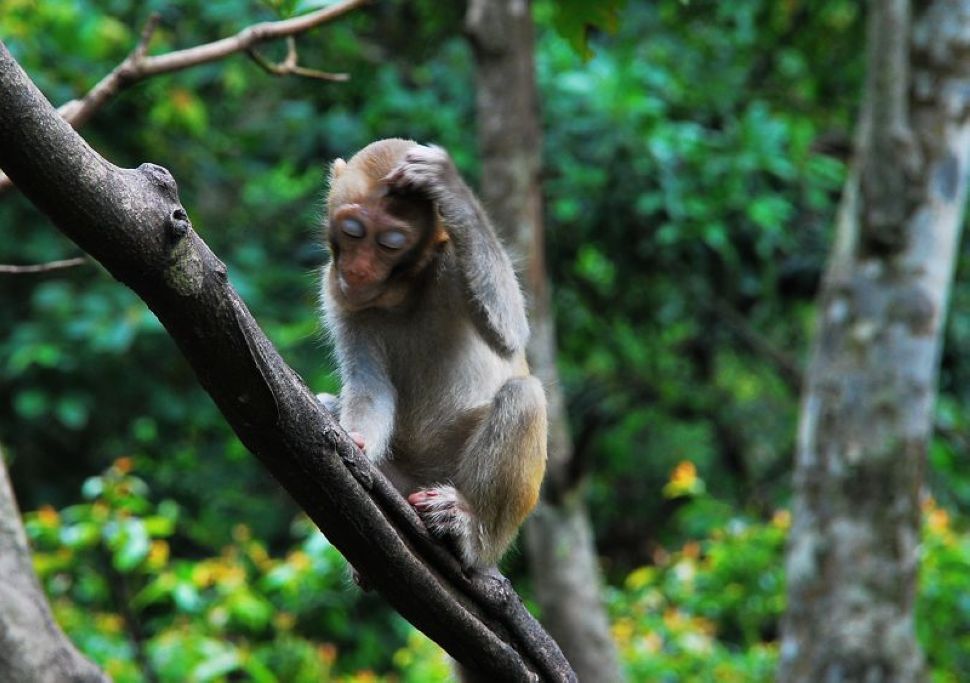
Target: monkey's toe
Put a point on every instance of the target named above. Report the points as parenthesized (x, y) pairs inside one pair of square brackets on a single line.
[(442, 509)]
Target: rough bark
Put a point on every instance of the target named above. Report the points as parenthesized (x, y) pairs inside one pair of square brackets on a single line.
[(866, 414), (132, 222), (32, 648), (558, 537)]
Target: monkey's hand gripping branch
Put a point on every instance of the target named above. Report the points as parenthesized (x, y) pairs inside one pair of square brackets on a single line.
[(131, 221)]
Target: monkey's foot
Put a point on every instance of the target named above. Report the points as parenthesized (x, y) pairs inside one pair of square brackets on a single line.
[(444, 511)]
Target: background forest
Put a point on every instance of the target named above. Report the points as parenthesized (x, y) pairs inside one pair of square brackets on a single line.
[(692, 169)]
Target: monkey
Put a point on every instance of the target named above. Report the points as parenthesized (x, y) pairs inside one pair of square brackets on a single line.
[(429, 329)]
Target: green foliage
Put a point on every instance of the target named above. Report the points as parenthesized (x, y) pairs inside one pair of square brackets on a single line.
[(685, 193), (574, 20), (710, 610), (706, 611), (124, 596), (943, 605)]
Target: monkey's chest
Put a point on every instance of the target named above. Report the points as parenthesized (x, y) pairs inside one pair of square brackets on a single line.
[(442, 396)]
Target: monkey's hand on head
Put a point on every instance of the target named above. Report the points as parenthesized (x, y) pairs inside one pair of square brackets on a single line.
[(427, 169), (430, 329), (498, 308)]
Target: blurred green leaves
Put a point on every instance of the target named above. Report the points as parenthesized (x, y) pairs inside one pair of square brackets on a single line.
[(242, 612), (575, 19)]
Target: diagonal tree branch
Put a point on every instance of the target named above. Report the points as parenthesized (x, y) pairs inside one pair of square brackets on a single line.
[(131, 221), (137, 66)]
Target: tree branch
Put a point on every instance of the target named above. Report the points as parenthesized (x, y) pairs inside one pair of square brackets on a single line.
[(137, 67), (290, 67), (131, 221), (889, 149), (6, 269)]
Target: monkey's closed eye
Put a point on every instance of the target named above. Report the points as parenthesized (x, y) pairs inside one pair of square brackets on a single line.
[(392, 239), (352, 227)]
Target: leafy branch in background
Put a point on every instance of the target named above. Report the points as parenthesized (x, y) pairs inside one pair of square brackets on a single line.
[(138, 65)]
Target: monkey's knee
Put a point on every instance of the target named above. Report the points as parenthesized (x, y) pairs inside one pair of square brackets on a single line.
[(520, 402), (511, 447), (519, 409)]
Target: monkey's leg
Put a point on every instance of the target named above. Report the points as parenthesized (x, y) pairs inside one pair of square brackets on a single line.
[(497, 480)]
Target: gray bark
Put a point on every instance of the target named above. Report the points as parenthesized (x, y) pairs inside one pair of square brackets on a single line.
[(131, 221), (866, 415), (558, 538), (32, 648)]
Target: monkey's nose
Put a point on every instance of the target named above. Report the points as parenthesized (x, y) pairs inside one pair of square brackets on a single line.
[(355, 278)]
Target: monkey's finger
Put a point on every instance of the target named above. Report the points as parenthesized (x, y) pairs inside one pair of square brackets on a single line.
[(358, 439)]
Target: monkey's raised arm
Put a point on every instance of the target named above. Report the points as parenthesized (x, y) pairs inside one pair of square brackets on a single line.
[(496, 302)]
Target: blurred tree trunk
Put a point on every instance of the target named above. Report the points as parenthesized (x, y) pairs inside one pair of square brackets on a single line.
[(558, 537), (867, 406), (32, 648)]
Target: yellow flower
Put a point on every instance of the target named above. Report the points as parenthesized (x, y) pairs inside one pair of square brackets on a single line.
[(158, 554), (299, 559), (781, 519), (938, 520), (48, 516), (623, 629), (639, 578), (327, 652), (683, 481), (108, 623), (284, 621)]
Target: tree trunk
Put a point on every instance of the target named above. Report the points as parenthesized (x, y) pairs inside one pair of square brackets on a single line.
[(867, 406), (32, 648), (558, 538)]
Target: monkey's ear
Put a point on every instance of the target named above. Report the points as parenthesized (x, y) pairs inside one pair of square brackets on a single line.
[(336, 168), (441, 237)]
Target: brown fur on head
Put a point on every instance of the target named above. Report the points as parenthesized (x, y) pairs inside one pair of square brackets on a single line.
[(365, 272), (355, 180)]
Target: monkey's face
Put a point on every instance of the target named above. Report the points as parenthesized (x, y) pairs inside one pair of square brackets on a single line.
[(379, 245), (381, 238)]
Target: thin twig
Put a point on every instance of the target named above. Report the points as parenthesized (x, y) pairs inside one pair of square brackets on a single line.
[(289, 66), (138, 67), (245, 39), (43, 267)]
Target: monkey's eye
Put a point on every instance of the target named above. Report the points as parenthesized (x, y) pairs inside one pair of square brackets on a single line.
[(352, 227), (392, 239)]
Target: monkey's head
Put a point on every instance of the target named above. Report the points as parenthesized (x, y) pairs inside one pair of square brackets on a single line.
[(380, 238)]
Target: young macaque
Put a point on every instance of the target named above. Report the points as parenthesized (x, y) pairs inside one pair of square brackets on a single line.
[(430, 329)]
